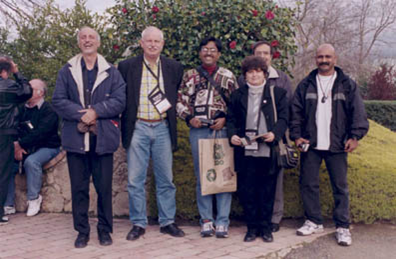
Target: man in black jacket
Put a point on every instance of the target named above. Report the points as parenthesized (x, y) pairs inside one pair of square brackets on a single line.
[(149, 129), (328, 115), (38, 141), (12, 94)]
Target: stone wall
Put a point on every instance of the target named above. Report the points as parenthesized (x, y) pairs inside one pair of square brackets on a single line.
[(56, 190)]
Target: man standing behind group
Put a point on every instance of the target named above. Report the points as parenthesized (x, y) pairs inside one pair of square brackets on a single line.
[(39, 142), (204, 95), (149, 129), (90, 95), (12, 94), (279, 79), (328, 114)]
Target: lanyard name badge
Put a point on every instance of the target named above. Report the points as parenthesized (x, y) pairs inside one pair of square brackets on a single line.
[(156, 96)]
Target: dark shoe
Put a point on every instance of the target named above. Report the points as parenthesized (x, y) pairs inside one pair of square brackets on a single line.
[(274, 227), (267, 237), (81, 241), (250, 236), (135, 233), (104, 238), (172, 230)]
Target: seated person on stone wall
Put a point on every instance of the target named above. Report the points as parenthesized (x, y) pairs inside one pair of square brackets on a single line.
[(38, 142)]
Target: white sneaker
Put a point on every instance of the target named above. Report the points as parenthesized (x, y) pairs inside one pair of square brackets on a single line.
[(221, 231), (207, 229), (3, 220), (8, 210), (309, 228), (343, 236), (34, 206)]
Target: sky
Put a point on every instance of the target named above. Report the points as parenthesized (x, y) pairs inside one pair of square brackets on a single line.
[(97, 6)]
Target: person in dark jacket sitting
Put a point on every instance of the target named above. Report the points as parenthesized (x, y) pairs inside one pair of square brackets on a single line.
[(39, 142), (328, 115), (253, 130), (12, 94), (89, 95)]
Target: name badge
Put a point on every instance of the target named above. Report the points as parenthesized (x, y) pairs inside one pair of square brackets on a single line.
[(159, 100)]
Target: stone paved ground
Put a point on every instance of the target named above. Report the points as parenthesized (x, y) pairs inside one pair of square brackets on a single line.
[(52, 236)]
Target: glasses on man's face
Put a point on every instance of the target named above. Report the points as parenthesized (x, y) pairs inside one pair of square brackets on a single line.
[(212, 50)]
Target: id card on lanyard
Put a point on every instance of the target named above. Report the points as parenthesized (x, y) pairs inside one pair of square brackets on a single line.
[(156, 96)]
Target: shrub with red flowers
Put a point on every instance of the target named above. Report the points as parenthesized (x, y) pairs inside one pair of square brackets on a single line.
[(124, 10), (276, 55), (232, 45), (269, 15), (238, 24)]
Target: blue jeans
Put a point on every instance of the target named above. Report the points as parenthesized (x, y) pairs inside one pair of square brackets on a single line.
[(205, 203), (33, 166), (151, 140)]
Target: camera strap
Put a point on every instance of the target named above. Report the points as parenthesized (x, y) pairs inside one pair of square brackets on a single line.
[(203, 73)]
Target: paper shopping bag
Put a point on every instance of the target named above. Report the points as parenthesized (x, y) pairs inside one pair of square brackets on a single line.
[(216, 164)]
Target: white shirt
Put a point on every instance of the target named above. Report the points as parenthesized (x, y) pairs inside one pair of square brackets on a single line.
[(324, 110)]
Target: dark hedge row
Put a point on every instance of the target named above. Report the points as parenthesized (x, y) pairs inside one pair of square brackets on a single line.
[(382, 112)]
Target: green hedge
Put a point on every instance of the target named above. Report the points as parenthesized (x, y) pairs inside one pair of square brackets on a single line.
[(383, 112), (371, 177)]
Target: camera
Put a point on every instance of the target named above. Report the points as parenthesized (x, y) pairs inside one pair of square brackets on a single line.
[(206, 121), (304, 147)]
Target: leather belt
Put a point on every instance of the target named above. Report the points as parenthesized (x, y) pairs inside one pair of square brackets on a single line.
[(151, 120)]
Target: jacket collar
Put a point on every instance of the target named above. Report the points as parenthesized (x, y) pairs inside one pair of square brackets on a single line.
[(273, 74), (340, 75), (76, 71)]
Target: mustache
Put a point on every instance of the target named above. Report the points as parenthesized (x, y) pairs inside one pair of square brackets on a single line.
[(324, 63)]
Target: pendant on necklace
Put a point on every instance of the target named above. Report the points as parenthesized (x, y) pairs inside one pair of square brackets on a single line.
[(323, 99)]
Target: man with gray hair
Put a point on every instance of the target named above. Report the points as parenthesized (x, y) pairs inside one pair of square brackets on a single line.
[(90, 95), (328, 116), (149, 129), (37, 143), (12, 95)]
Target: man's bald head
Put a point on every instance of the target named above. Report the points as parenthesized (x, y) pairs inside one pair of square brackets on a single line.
[(326, 59), (327, 47)]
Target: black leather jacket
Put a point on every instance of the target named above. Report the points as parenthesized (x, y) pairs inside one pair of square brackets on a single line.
[(12, 94)]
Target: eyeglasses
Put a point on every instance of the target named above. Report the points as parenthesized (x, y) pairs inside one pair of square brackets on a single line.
[(212, 50)]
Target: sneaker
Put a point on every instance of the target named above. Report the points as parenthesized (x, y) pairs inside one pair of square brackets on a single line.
[(34, 206), (343, 236), (207, 229), (309, 228), (221, 231), (8, 210), (3, 220)]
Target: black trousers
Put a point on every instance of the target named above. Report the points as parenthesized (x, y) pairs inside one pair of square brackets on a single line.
[(6, 166), (81, 167), (336, 164), (256, 191)]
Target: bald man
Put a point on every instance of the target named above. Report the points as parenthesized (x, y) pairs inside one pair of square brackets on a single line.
[(328, 115), (149, 129), (38, 142)]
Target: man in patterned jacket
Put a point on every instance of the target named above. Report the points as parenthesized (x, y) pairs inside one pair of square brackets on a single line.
[(202, 103)]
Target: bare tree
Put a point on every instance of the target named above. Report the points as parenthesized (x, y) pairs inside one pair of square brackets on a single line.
[(353, 27), (12, 9)]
